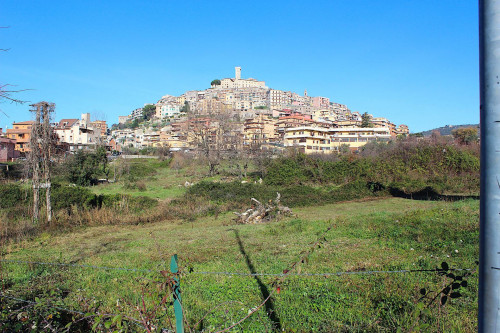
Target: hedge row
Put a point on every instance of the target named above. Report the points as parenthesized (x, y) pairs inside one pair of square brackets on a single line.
[(65, 197)]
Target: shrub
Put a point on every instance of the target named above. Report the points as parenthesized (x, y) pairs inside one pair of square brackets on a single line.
[(141, 186), (84, 168), (286, 171), (409, 165), (11, 195), (64, 197), (138, 204)]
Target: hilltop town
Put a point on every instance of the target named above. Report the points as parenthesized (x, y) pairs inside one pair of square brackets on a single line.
[(233, 114)]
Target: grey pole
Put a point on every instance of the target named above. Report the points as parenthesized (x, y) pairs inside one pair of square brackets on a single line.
[(489, 234)]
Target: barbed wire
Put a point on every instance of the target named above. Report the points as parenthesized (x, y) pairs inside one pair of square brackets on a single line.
[(33, 302), (331, 273), (327, 274), (76, 265), (133, 320)]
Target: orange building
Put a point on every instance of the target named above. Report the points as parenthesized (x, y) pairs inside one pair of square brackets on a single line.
[(101, 124), (21, 132)]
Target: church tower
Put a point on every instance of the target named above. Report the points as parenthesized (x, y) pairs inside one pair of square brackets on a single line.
[(237, 73)]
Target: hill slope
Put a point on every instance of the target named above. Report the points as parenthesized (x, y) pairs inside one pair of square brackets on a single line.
[(446, 130)]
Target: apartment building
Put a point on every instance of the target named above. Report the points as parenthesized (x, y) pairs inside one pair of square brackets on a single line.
[(294, 120), (343, 123), (167, 110), (321, 102), (324, 115), (21, 133), (150, 139), (79, 133), (124, 137), (258, 131), (339, 108), (279, 98), (175, 140), (311, 140), (136, 114), (402, 130), (103, 127), (384, 122), (212, 106)]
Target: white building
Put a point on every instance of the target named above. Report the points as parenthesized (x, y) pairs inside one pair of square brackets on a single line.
[(311, 140), (78, 133), (168, 110), (279, 98), (136, 114), (123, 119), (238, 82)]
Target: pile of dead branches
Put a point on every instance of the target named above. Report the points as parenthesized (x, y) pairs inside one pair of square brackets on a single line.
[(263, 213)]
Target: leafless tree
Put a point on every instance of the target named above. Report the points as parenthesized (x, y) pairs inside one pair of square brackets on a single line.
[(216, 136)]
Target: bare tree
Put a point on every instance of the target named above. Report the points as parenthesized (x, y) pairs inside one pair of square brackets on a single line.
[(204, 134), (216, 137)]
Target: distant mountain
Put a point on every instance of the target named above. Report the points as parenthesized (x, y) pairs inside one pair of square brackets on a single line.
[(446, 130)]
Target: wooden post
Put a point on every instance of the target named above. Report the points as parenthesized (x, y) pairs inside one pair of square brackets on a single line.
[(179, 320)]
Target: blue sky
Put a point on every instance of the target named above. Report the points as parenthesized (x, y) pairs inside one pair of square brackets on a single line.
[(414, 62)]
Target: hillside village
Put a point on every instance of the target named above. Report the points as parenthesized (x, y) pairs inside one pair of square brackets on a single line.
[(234, 114)]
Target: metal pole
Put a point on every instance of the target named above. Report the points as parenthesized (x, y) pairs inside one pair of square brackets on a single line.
[(489, 235), (179, 318)]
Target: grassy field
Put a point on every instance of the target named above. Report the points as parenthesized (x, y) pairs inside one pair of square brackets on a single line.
[(152, 178), (383, 234)]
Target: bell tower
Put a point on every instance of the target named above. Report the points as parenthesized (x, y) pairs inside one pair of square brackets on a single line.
[(237, 73)]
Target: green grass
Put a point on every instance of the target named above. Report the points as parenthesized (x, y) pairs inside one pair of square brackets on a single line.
[(161, 181), (384, 234)]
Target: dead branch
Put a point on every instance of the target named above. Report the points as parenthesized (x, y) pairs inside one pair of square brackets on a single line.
[(7, 94), (263, 213)]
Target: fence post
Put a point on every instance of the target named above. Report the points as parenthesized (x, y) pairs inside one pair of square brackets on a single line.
[(179, 320)]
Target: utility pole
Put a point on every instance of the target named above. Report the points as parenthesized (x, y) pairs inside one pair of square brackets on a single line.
[(489, 230), (41, 144), (34, 163)]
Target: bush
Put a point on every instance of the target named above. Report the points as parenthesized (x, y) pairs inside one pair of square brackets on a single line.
[(138, 204), (236, 195), (11, 195), (287, 171), (84, 168), (408, 165), (64, 197)]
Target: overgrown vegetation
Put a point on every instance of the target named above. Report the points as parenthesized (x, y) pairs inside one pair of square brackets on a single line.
[(349, 193), (408, 165), (85, 168)]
